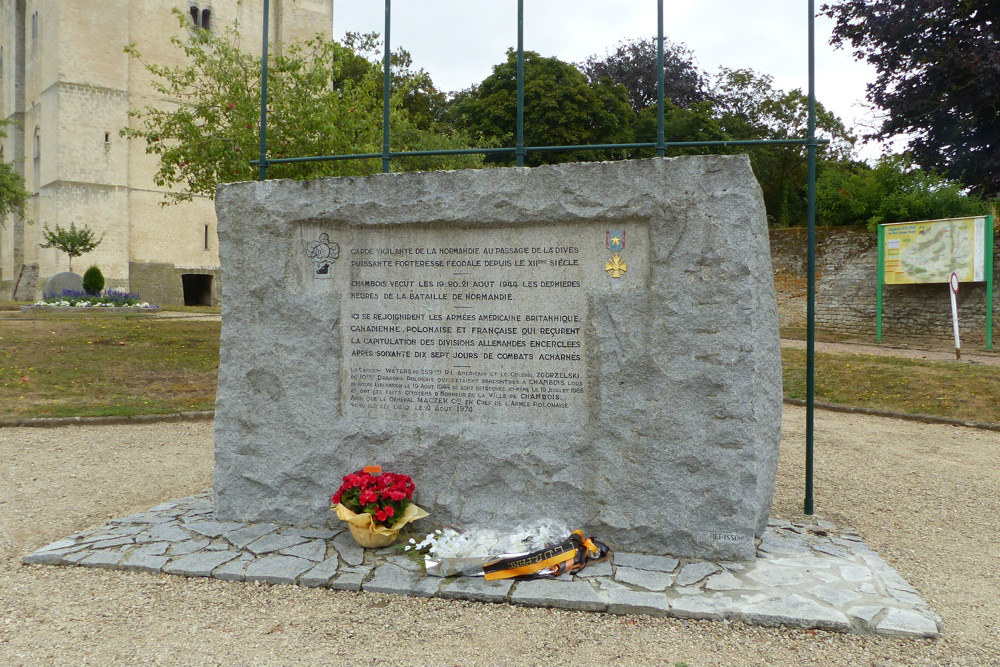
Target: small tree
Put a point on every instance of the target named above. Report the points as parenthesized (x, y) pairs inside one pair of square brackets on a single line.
[(74, 242)]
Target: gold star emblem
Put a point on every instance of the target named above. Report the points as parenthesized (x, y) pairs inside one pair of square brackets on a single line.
[(617, 267), (615, 240)]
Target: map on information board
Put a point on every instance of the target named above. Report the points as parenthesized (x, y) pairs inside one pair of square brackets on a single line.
[(928, 252)]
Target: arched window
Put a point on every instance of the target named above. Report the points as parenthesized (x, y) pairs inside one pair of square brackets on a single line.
[(195, 16), (206, 19)]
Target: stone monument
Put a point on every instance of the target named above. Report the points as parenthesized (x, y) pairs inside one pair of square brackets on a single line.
[(596, 343)]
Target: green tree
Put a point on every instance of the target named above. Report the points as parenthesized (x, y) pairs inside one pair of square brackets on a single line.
[(74, 242), (12, 191), (561, 108), (323, 98), (633, 64), (895, 190), (937, 75), (748, 106)]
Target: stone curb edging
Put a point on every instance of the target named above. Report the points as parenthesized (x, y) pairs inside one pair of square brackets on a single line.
[(805, 575), (926, 419), (51, 422)]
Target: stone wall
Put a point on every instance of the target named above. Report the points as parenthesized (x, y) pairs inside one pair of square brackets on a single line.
[(846, 285)]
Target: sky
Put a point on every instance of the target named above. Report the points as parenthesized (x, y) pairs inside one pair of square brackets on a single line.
[(459, 41)]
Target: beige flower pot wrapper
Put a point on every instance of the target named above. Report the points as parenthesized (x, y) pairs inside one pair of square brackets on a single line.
[(365, 523)]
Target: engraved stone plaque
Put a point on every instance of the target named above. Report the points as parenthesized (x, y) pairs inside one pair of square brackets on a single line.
[(595, 343)]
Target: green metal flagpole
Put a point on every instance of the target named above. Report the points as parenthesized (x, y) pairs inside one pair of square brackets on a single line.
[(386, 92), (811, 263), (262, 163)]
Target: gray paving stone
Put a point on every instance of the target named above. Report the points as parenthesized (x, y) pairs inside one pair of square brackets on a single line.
[(866, 615), (277, 569), (834, 596), (391, 578), (108, 560), (773, 544), (830, 550), (314, 550), (776, 575), (311, 533), (75, 557), (348, 549), (167, 506), (321, 574), (199, 564), (152, 549), (122, 531), (699, 607), (232, 570), (138, 562), (602, 569), (563, 594), (724, 581), (854, 573), (407, 563), (218, 546), (244, 536), (213, 528), (57, 557), (350, 581), (734, 567), (476, 589), (795, 610), (189, 546), (648, 579), (626, 601), (55, 546), (163, 533), (645, 561), (906, 623), (692, 573), (274, 542), (96, 536)]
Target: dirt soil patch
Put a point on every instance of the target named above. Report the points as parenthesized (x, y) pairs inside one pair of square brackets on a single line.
[(926, 497)]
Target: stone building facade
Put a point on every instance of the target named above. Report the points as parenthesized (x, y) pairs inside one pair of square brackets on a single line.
[(67, 87)]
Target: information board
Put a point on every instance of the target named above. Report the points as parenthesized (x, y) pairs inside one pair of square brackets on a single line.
[(928, 252)]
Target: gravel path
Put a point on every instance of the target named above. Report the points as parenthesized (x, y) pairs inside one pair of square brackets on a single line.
[(926, 497)]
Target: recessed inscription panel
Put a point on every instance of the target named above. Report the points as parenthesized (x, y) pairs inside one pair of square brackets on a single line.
[(460, 324)]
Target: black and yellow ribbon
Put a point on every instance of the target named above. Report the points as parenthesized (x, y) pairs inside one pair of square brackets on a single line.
[(568, 556)]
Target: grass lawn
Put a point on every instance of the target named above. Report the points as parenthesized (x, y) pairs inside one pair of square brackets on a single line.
[(105, 364), (80, 364), (941, 388)]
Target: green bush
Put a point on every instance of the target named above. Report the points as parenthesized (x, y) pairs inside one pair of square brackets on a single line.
[(93, 281)]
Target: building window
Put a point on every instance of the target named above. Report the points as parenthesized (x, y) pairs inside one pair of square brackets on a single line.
[(38, 142), (201, 18), (34, 26)]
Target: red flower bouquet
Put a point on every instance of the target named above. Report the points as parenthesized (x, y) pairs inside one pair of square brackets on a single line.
[(376, 505)]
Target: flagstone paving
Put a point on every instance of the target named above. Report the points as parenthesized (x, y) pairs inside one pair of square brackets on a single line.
[(806, 575)]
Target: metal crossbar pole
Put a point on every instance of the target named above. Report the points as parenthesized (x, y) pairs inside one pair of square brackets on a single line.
[(661, 149), (520, 152), (386, 92), (811, 263), (529, 149), (262, 162)]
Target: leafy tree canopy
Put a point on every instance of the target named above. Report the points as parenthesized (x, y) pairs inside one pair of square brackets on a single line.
[(73, 241), (323, 99), (12, 190), (560, 108), (850, 193), (748, 106), (633, 64), (938, 72)]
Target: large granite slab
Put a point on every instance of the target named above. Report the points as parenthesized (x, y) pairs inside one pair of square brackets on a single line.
[(596, 343)]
